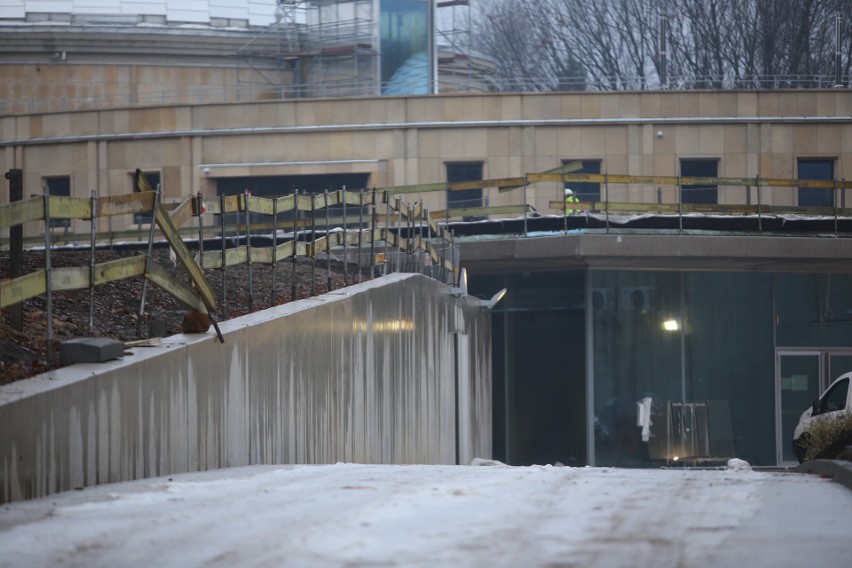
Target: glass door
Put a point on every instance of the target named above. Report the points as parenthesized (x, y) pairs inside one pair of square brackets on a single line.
[(839, 362), (798, 381)]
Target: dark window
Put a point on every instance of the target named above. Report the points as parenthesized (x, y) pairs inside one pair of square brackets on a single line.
[(585, 190), (278, 186), (58, 186), (465, 198), (699, 193), (153, 180), (816, 196), (835, 398)]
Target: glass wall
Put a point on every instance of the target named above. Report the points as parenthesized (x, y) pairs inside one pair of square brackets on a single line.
[(539, 366), (699, 347), (405, 27)]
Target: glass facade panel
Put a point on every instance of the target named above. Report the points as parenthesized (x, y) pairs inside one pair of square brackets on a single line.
[(406, 62), (539, 366), (699, 345), (814, 310)]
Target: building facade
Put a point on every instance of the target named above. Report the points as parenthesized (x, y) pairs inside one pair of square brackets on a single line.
[(758, 323)]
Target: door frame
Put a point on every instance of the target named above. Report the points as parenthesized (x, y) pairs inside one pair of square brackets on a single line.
[(823, 354)]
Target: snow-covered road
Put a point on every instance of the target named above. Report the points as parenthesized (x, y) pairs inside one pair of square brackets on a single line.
[(374, 515)]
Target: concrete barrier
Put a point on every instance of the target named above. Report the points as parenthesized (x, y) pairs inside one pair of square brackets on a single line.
[(395, 370)]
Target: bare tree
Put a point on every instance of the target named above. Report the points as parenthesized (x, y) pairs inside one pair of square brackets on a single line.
[(616, 44)]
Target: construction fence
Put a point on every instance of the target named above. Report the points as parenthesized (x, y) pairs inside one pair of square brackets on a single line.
[(400, 238)]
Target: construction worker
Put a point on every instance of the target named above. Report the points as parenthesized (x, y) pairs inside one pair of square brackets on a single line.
[(570, 199)]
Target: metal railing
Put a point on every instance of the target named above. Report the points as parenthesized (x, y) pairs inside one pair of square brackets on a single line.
[(361, 86)]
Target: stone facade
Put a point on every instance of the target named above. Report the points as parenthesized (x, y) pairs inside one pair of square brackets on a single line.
[(410, 140)]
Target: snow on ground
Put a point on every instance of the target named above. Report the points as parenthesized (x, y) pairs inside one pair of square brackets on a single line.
[(382, 515)]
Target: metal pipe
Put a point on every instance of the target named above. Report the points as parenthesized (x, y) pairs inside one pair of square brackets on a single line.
[(199, 204), (140, 319), (327, 245), (246, 207), (313, 245), (345, 232), (48, 277), (272, 296), (295, 245), (242, 131), (91, 326), (224, 247), (360, 230)]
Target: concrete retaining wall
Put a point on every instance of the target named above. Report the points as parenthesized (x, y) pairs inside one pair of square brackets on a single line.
[(366, 374)]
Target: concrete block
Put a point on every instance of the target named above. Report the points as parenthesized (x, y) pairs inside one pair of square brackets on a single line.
[(90, 350)]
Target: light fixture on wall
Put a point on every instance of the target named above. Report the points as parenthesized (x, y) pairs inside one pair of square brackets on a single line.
[(461, 290), (671, 325), (489, 304)]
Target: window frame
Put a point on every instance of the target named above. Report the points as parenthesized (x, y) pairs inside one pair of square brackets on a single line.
[(141, 219), (695, 192), (585, 190), (64, 191), (459, 199), (815, 196)]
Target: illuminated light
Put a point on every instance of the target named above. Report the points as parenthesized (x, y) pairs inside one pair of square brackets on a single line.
[(671, 325), (384, 326), (674, 458)]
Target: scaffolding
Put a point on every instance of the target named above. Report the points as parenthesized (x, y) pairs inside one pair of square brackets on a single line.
[(327, 48), (315, 48)]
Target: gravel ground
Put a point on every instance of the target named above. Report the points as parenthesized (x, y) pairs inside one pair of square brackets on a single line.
[(116, 304)]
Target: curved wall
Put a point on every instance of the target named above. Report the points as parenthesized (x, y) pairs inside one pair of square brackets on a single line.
[(365, 374)]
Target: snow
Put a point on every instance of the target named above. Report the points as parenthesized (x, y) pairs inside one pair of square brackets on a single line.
[(421, 515)]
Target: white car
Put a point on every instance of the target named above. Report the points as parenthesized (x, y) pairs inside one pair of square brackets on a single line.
[(836, 398)]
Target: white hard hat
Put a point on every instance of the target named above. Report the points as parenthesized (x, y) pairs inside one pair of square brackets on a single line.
[(568, 191)]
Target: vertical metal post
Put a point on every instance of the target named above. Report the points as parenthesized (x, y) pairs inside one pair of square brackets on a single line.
[(48, 277), (91, 327), (224, 247), (199, 204), (453, 258), (525, 208), (386, 200), (431, 247), (16, 246), (313, 245), (398, 235), (421, 259), (564, 208), (140, 319), (295, 245), (272, 296), (345, 238), (679, 206), (606, 194), (838, 76), (759, 212), (835, 200), (247, 209), (373, 236), (327, 245), (360, 230)]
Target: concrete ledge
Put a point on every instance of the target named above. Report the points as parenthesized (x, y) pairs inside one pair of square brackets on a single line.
[(837, 470)]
